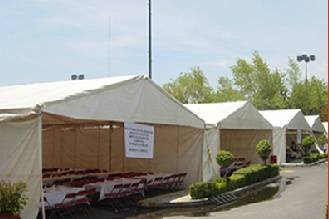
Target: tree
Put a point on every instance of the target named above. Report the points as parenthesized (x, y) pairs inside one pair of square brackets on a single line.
[(293, 73), (311, 97), (226, 91), (307, 143), (265, 88), (224, 159), (190, 87), (264, 149)]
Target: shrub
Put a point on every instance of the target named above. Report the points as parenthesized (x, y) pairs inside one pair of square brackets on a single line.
[(257, 172), (264, 149), (12, 197), (237, 181), (307, 143), (243, 177), (205, 190), (224, 158), (312, 158), (323, 156), (322, 140)]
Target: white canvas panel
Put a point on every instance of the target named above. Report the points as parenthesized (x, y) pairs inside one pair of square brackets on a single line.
[(210, 150), (279, 144), (20, 159), (315, 123)]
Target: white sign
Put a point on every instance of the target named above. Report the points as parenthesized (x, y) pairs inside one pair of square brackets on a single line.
[(139, 140), (299, 136)]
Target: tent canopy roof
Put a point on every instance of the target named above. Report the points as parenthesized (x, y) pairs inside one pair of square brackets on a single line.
[(288, 118), (315, 123), (230, 115), (132, 98)]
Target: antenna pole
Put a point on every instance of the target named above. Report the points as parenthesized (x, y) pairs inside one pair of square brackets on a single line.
[(109, 48), (150, 40)]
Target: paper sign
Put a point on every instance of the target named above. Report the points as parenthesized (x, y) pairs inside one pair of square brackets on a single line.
[(139, 140)]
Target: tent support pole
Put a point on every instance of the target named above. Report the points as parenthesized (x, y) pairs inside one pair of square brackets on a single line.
[(110, 145)]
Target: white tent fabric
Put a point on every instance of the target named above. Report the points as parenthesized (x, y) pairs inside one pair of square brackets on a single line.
[(315, 123), (210, 149), (230, 115), (325, 125), (241, 125), (20, 157), (119, 99), (125, 98), (283, 120)]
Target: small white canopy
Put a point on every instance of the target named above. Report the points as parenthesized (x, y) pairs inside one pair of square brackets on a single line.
[(286, 118), (315, 123), (325, 125), (125, 98), (230, 115)]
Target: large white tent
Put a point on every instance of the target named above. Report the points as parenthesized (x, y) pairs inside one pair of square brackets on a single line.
[(81, 124), (233, 126), (287, 123), (315, 123)]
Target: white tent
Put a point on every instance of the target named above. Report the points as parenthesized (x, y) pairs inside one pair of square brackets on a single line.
[(325, 125), (234, 126), (315, 123), (83, 126), (287, 124), (20, 157)]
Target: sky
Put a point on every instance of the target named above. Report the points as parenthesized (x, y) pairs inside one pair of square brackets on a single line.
[(42, 40)]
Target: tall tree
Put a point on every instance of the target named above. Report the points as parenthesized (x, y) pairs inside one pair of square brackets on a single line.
[(265, 88), (190, 87), (226, 91), (293, 73)]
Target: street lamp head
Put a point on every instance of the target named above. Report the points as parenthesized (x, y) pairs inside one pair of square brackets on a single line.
[(299, 58), (312, 57)]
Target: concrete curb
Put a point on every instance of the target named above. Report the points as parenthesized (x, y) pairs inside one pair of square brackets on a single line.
[(303, 164), (206, 201)]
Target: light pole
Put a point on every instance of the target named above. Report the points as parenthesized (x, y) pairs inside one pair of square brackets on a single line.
[(150, 39), (307, 59)]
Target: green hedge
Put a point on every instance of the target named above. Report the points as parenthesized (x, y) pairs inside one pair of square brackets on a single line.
[(241, 178), (312, 158)]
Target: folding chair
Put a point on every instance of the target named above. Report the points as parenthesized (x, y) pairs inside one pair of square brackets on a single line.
[(115, 191)]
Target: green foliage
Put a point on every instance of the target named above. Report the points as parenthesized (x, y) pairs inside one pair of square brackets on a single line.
[(224, 158), (322, 140), (267, 88), (241, 178), (226, 91), (307, 143), (12, 197), (264, 149), (258, 172), (314, 157), (190, 87)]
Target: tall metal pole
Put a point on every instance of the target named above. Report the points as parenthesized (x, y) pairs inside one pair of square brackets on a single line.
[(150, 40)]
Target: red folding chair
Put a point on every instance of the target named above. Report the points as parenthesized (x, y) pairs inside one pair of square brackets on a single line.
[(67, 202), (115, 191)]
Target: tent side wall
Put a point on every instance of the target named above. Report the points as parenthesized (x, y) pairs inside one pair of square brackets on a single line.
[(20, 159), (176, 149), (210, 168), (279, 144), (242, 142)]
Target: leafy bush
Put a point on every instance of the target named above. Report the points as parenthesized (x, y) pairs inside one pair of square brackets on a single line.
[(307, 143), (257, 172), (322, 140), (243, 177), (314, 157), (12, 197), (237, 181), (205, 190), (224, 158), (264, 149)]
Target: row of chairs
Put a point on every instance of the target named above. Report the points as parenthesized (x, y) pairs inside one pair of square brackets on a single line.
[(73, 199), (174, 181), (126, 189)]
